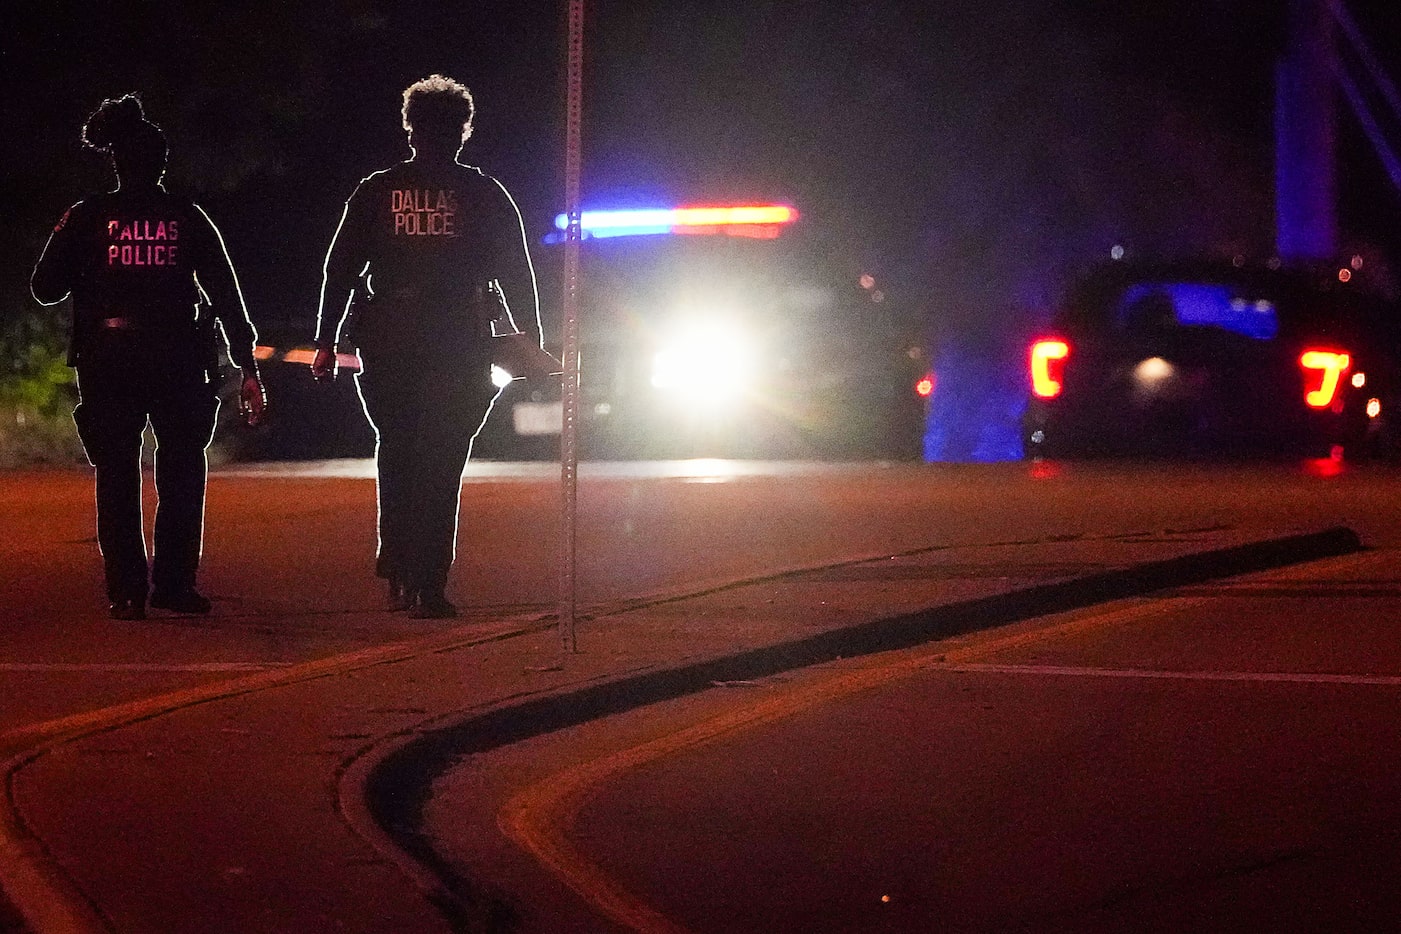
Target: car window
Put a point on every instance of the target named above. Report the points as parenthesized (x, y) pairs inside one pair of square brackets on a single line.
[(1145, 307)]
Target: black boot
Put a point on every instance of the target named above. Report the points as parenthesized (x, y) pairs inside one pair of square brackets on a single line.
[(432, 604)]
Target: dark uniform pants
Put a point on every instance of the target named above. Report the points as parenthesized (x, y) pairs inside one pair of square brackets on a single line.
[(121, 388), (424, 409)]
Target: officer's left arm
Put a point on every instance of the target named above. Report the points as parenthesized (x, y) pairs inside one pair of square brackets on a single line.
[(217, 280), (214, 272), (512, 267)]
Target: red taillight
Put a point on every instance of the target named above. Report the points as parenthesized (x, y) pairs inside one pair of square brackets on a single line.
[(1047, 364), (1323, 369), (925, 387)]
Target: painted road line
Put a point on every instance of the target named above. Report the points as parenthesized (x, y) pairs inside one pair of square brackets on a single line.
[(52, 903), (539, 817), (33, 735), (1267, 677), (43, 668)]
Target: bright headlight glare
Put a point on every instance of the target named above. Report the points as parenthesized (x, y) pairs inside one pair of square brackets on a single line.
[(705, 363)]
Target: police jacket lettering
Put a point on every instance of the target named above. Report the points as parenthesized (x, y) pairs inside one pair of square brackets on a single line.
[(143, 261), (416, 244)]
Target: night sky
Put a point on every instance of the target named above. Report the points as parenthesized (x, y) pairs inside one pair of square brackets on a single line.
[(969, 154)]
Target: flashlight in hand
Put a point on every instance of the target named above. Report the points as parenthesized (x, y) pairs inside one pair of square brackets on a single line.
[(323, 365), (252, 399)]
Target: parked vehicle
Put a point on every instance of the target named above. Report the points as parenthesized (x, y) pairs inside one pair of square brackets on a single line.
[(1206, 359), (719, 331)]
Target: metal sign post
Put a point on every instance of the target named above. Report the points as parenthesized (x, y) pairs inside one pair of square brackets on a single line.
[(568, 444)]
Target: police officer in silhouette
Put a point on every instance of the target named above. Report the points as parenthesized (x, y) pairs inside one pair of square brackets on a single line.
[(151, 282), (429, 251)]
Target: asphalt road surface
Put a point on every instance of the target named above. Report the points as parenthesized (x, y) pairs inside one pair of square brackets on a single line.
[(288, 558), (289, 550)]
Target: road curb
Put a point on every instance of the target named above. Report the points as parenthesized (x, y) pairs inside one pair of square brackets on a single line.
[(394, 779)]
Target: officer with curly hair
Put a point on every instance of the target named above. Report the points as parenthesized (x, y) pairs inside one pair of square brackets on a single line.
[(428, 251), (151, 284)]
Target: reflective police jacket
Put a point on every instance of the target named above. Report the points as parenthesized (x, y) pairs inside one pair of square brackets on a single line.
[(144, 261), (417, 247)]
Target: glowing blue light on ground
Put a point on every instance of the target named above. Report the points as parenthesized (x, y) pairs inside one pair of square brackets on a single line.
[(975, 411)]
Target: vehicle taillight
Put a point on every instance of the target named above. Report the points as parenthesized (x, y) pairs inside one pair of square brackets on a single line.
[(1322, 370), (1047, 365), (925, 387)]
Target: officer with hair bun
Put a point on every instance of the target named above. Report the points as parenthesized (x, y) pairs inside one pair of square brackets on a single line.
[(152, 286), (430, 251)]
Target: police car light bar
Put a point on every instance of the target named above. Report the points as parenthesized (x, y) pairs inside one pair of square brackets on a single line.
[(728, 219)]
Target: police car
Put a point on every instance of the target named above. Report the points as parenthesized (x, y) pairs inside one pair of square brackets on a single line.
[(1211, 359), (718, 330)]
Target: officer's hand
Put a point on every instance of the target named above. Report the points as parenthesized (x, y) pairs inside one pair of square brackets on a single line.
[(252, 399), (323, 365), (521, 355)]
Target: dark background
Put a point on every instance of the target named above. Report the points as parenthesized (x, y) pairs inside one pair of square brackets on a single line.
[(972, 156)]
